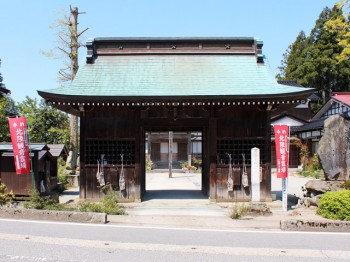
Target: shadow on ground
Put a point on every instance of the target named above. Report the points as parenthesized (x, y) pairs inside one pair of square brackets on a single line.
[(173, 194)]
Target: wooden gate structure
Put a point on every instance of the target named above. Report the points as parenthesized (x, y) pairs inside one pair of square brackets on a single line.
[(221, 87)]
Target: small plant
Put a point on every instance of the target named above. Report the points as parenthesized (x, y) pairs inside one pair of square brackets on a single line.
[(312, 170), (109, 205), (186, 166), (45, 203), (335, 205), (5, 198), (197, 162), (150, 165), (347, 184), (239, 211)]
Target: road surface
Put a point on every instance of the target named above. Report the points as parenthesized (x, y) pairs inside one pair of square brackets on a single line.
[(53, 241)]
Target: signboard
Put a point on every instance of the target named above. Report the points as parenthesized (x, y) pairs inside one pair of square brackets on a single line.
[(282, 150), (19, 138)]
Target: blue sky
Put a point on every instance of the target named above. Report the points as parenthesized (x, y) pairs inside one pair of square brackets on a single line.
[(25, 29)]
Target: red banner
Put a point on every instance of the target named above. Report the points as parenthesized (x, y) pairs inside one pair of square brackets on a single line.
[(282, 150), (19, 138)]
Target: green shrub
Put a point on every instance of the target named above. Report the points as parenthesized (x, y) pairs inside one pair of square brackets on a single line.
[(45, 203), (197, 162), (89, 207), (109, 205), (150, 165), (5, 198), (239, 211), (335, 205), (61, 171)]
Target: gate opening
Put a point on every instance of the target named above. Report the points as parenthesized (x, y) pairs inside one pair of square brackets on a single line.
[(174, 168)]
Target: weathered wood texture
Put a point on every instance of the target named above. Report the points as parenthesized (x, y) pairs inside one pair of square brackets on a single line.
[(44, 170), (239, 193), (229, 129)]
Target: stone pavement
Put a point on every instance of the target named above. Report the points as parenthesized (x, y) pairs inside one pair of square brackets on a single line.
[(178, 202)]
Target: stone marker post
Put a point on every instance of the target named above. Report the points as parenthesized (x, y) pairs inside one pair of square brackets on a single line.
[(255, 174)]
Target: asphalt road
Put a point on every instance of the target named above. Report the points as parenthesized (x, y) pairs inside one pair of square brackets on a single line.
[(52, 241)]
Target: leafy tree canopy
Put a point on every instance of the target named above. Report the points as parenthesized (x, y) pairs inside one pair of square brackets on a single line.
[(46, 124), (317, 60), (7, 109)]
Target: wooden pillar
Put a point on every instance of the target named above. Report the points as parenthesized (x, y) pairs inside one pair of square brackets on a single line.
[(189, 149), (36, 170), (82, 178), (267, 173), (212, 146), (138, 153), (149, 143), (170, 154), (143, 160)]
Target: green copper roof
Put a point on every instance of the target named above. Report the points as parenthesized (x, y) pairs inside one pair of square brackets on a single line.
[(175, 75)]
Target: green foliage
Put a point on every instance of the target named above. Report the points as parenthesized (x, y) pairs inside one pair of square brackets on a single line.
[(239, 211), (347, 184), (7, 109), (46, 124), (150, 165), (61, 171), (44, 203), (186, 166), (335, 205), (109, 205), (314, 169), (341, 26), (5, 198), (313, 61), (197, 162)]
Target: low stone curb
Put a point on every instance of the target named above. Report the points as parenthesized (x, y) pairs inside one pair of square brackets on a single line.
[(315, 225), (62, 216)]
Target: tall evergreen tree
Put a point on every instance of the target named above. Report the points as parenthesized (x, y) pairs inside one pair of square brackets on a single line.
[(290, 68), (313, 61)]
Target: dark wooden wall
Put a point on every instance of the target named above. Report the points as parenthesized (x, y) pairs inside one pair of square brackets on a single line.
[(21, 185), (239, 127)]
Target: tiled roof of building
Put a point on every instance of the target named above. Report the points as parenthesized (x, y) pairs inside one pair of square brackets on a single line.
[(171, 74), (7, 147), (343, 97), (180, 75), (315, 124), (57, 150)]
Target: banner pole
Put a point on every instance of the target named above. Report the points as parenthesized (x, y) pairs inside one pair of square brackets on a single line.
[(30, 159), (285, 180)]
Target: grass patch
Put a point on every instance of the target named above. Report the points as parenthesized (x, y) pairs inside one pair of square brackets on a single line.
[(108, 205), (239, 211)]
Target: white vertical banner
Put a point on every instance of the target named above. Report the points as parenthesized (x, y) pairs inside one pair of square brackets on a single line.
[(284, 194), (255, 174)]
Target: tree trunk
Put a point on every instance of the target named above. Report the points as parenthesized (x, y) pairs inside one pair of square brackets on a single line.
[(74, 46)]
